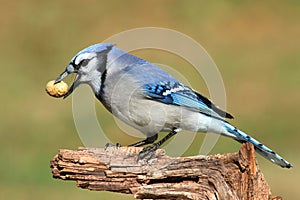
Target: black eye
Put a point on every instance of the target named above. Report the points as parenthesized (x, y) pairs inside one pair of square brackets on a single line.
[(84, 62)]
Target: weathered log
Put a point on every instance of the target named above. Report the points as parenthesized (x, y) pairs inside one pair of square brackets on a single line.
[(225, 176)]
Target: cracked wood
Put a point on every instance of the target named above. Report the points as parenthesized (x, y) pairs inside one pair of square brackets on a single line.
[(222, 176)]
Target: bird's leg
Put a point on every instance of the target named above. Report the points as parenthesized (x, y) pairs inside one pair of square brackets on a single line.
[(148, 152), (148, 140)]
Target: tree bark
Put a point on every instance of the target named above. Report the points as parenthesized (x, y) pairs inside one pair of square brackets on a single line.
[(228, 176)]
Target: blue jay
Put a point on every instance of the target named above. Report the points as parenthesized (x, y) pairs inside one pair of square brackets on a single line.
[(149, 99)]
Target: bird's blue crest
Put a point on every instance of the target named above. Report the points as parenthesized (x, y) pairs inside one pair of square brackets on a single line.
[(95, 48)]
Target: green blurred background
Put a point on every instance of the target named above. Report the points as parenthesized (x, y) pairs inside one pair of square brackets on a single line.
[(255, 44)]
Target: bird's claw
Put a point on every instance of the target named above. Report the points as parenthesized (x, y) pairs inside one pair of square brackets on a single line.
[(147, 153), (117, 145)]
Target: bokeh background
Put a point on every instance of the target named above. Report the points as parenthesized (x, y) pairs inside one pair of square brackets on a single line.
[(255, 44)]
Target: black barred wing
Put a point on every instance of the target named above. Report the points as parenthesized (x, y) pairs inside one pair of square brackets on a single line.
[(175, 93)]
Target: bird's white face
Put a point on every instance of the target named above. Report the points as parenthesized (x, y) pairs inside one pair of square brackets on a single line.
[(89, 67), (83, 59)]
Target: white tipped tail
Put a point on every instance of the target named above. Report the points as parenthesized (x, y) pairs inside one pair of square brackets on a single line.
[(259, 147)]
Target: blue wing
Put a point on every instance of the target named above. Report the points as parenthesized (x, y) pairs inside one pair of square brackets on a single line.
[(175, 93)]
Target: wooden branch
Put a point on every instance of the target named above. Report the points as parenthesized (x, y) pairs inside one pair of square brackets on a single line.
[(226, 176)]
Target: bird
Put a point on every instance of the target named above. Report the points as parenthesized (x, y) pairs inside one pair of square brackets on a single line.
[(149, 99)]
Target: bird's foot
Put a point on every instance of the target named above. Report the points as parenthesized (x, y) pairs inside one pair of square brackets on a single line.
[(148, 152), (108, 145)]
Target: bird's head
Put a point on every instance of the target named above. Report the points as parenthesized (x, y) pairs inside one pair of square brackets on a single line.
[(89, 65)]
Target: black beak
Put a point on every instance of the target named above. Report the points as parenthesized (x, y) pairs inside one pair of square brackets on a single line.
[(69, 70)]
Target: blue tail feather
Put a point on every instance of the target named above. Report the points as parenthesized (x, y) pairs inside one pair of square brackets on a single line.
[(259, 147)]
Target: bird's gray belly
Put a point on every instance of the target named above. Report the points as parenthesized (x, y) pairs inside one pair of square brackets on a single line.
[(151, 117)]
